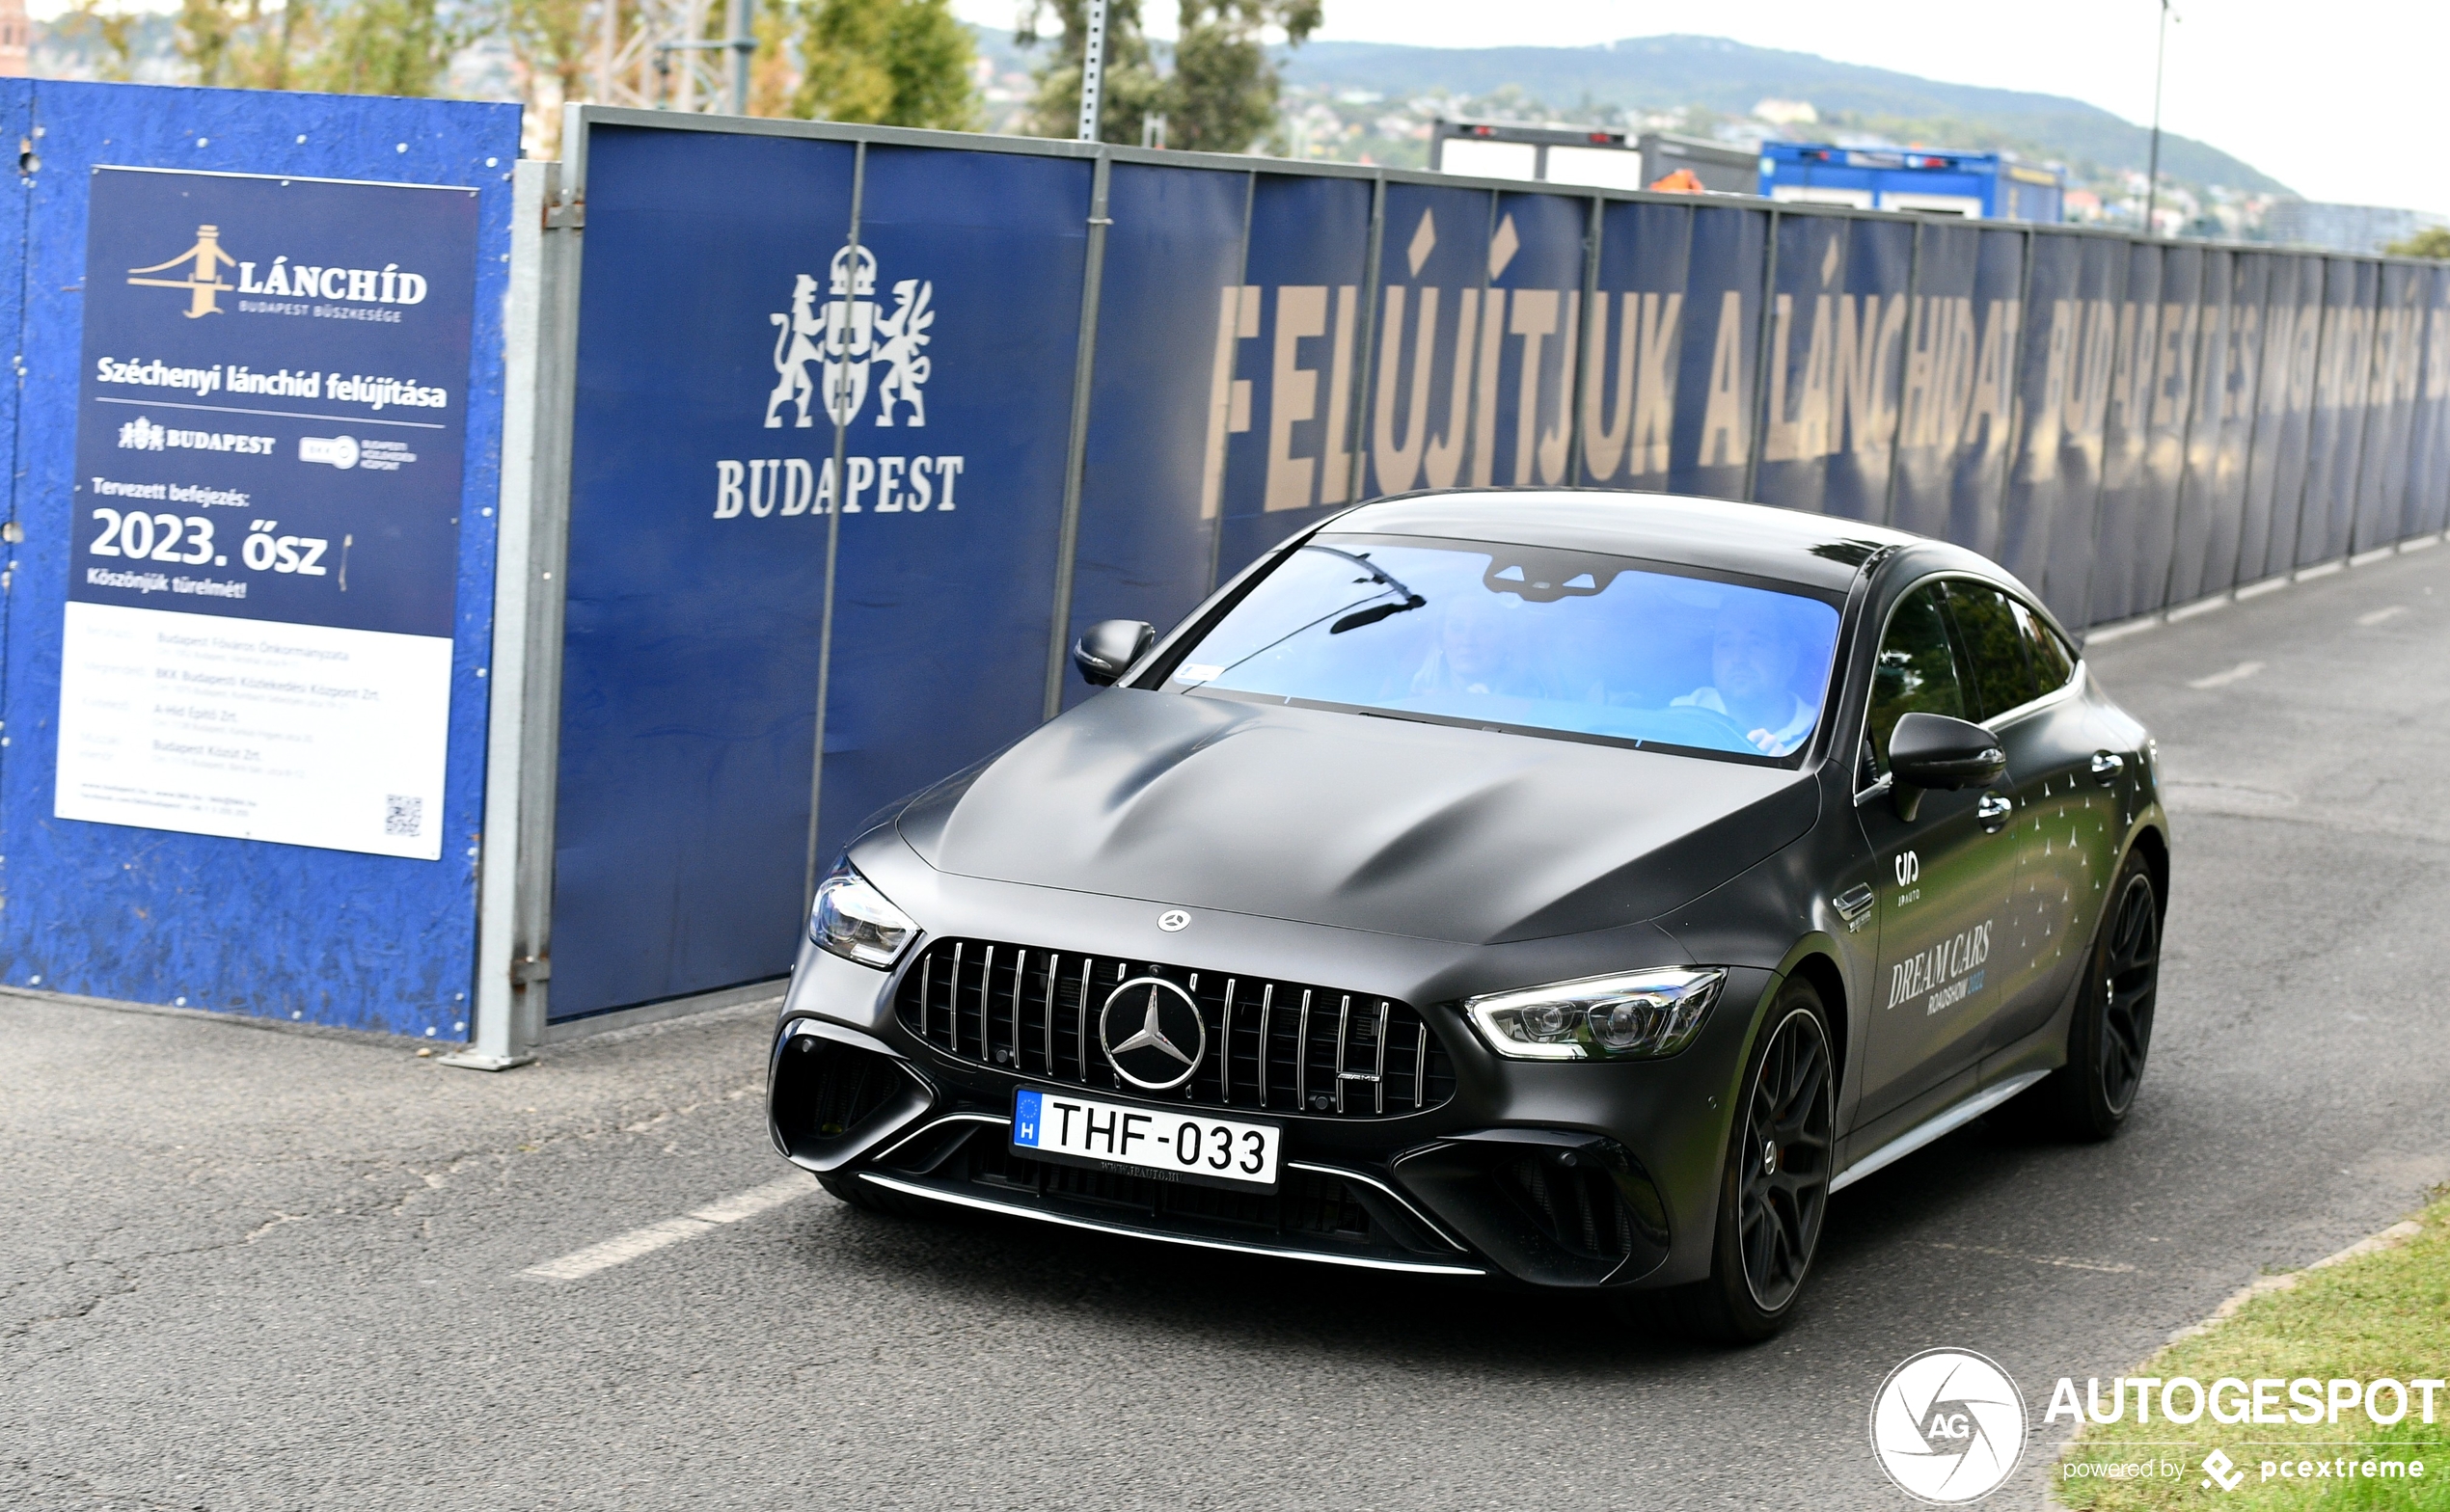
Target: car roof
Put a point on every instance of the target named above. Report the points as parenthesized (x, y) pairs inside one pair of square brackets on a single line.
[(1759, 540)]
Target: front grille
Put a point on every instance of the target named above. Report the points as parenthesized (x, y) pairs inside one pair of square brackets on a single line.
[(1273, 1046)]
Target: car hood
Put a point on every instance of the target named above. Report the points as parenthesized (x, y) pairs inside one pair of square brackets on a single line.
[(1353, 821)]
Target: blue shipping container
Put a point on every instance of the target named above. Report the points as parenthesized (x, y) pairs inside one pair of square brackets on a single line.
[(1980, 186)]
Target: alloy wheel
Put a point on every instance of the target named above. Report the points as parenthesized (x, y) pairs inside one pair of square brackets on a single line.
[(1783, 1190), (2130, 978)]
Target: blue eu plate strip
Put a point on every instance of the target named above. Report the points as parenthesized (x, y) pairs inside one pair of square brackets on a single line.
[(1025, 1106)]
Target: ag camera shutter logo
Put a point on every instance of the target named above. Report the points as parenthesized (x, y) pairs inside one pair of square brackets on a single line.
[(1948, 1426)]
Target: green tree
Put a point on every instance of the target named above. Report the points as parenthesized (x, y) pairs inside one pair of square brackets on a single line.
[(114, 31), (1131, 90), (2433, 241), (550, 38), (245, 47), (773, 78), (1222, 97), (206, 30), (895, 63), (383, 47)]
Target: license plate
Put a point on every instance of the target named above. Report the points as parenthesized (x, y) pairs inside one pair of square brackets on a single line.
[(1161, 1142)]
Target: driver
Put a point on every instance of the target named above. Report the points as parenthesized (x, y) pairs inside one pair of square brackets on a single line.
[(1753, 673), (1479, 649)]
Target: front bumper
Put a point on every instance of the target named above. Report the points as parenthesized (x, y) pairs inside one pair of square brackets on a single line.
[(1550, 1174)]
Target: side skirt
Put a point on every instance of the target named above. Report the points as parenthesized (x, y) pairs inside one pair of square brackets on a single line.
[(1930, 1129)]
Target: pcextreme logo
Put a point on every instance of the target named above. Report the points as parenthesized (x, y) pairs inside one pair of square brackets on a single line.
[(286, 279)]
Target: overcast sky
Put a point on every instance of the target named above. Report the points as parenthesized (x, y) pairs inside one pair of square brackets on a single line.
[(2343, 99)]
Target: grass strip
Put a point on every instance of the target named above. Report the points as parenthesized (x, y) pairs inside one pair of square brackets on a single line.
[(2381, 1316)]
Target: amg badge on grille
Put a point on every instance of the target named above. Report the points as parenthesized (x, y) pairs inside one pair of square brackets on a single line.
[(1152, 1034)]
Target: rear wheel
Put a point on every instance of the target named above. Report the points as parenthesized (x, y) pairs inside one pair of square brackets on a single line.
[(1775, 1190), (2111, 1036)]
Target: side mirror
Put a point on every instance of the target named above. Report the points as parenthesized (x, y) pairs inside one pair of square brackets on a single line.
[(1110, 645), (1931, 751)]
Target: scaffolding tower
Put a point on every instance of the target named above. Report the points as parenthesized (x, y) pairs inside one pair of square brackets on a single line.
[(666, 55)]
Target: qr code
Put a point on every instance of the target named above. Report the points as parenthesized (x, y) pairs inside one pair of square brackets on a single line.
[(403, 815)]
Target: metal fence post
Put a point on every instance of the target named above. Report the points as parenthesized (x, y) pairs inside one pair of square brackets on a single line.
[(1905, 355), (1365, 371), (514, 959), (1761, 359), (1241, 271), (2014, 422), (1092, 69), (1594, 318), (1077, 456), (832, 558)]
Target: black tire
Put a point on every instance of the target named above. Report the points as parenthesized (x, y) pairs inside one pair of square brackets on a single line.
[(1774, 1192), (870, 1198), (2088, 1099)]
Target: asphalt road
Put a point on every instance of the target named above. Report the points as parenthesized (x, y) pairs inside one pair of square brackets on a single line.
[(242, 1268)]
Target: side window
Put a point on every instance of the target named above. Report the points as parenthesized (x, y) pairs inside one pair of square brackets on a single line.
[(2053, 664), (1993, 647), (1916, 672)]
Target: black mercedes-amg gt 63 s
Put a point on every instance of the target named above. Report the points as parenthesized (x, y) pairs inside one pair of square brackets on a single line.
[(1568, 890)]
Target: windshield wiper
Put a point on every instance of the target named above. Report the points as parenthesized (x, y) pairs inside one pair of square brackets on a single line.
[(1376, 570), (1376, 613)]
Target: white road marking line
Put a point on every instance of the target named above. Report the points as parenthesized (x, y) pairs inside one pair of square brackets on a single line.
[(2236, 674), (630, 1246), (2379, 615), (756, 1200), (2106, 1268)]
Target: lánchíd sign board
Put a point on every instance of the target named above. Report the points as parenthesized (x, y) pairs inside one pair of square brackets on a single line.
[(270, 430)]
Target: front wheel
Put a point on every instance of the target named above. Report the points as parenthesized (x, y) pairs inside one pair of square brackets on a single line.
[(1775, 1190), (2089, 1098)]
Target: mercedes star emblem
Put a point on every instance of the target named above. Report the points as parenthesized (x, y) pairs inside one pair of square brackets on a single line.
[(1162, 1036), (1174, 921)]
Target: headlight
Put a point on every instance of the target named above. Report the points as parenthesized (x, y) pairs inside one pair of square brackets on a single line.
[(1638, 1016), (856, 922)]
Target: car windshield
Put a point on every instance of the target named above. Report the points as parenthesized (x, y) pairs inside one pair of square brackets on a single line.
[(1531, 638)]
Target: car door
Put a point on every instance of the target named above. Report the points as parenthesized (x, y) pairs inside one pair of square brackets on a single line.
[(1949, 870), (2021, 678), (2027, 945)]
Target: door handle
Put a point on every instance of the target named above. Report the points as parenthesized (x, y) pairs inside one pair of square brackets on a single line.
[(1993, 811), (2106, 765)]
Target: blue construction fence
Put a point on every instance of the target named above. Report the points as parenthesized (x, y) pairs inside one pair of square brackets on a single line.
[(975, 394), (159, 915), (867, 424)]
